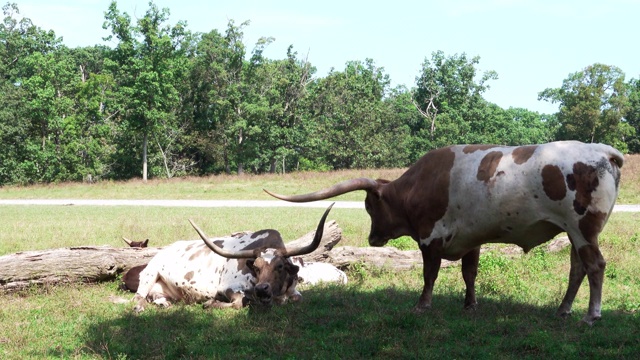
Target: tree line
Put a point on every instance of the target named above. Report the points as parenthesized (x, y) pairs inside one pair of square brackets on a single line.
[(167, 102)]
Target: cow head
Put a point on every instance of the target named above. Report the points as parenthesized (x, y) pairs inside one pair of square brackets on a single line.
[(381, 198), (275, 275), (136, 244)]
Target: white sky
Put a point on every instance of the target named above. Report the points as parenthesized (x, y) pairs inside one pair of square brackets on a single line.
[(531, 44)]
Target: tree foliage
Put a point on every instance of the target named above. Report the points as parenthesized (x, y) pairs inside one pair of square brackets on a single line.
[(593, 103), (163, 101), (147, 64), (632, 116)]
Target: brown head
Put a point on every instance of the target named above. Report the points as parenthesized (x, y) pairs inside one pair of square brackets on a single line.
[(136, 244), (269, 261)]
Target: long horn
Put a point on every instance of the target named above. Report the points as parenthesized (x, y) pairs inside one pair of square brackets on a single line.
[(316, 239), (126, 240), (240, 254), (335, 190)]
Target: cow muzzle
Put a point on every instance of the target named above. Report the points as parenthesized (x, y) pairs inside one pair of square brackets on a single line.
[(377, 241), (263, 294)]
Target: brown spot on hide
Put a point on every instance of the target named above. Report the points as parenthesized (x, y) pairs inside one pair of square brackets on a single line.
[(425, 190), (199, 253), (219, 243), (488, 165), (273, 240), (553, 182), (189, 247), (188, 276), (521, 154), (583, 181), (131, 279), (473, 148), (591, 225)]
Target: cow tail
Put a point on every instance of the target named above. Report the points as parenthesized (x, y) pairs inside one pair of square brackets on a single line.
[(616, 159)]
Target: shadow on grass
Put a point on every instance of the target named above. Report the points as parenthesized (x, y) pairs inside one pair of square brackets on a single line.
[(350, 322)]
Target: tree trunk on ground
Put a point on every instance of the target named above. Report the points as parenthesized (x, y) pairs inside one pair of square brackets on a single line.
[(67, 265)]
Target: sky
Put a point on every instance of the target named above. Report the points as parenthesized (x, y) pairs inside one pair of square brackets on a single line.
[(531, 44)]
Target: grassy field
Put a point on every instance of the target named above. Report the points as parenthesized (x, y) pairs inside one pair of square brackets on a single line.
[(368, 318)]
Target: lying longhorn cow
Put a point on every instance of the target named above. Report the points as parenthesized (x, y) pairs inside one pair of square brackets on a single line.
[(457, 198), (233, 272)]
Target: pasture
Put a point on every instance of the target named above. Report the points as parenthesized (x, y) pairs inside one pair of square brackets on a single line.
[(368, 318)]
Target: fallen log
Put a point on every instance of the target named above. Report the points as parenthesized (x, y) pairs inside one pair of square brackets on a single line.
[(67, 265), (395, 259)]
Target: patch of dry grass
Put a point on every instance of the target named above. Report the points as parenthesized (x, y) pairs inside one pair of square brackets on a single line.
[(249, 187), (630, 183)]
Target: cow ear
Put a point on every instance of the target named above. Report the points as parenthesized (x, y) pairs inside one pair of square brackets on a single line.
[(251, 264), (292, 269), (382, 183), (145, 243)]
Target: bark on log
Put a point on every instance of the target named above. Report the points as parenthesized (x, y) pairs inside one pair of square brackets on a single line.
[(89, 264), (66, 265), (396, 259)]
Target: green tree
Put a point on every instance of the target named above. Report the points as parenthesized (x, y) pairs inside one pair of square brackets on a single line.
[(449, 96), (592, 106), (37, 90), (220, 97), (147, 64), (282, 127), (349, 122), (632, 116)]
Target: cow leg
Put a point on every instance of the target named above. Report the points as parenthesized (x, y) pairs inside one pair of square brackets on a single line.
[(594, 265), (147, 285), (576, 275), (587, 260), (431, 260), (236, 301), (159, 297), (469, 273)]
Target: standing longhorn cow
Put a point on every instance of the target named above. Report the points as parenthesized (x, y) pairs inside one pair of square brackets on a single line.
[(233, 272), (456, 198)]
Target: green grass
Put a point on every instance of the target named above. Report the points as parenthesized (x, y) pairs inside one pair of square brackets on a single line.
[(369, 318), (42, 227)]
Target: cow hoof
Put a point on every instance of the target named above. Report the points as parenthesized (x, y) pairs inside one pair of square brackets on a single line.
[(563, 314), (471, 307), (419, 309), (216, 304), (590, 320)]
